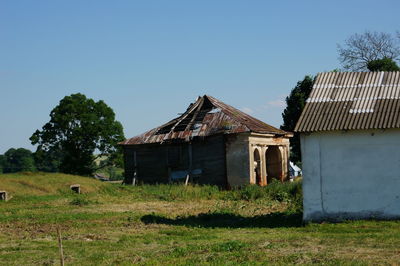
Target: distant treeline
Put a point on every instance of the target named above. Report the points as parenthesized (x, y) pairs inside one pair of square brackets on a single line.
[(23, 160), (19, 160)]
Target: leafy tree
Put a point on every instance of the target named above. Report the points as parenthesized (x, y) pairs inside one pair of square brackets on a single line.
[(47, 161), (78, 127), (385, 64), (2, 162), (17, 160), (295, 103), (360, 49)]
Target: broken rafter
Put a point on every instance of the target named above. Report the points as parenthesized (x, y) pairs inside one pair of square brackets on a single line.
[(169, 127), (185, 115), (201, 103), (200, 120)]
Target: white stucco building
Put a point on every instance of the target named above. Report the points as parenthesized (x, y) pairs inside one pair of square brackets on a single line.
[(350, 145)]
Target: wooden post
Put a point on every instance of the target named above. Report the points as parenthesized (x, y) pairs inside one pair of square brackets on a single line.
[(187, 180), (169, 175), (190, 164), (60, 247), (135, 169)]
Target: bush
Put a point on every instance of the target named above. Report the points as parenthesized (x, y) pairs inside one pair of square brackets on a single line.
[(289, 192), (278, 191), (250, 192)]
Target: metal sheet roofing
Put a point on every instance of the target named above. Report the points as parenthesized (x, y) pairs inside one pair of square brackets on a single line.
[(352, 100), (207, 116)]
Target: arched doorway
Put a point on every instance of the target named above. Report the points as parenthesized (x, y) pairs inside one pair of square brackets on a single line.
[(273, 161), (257, 167)]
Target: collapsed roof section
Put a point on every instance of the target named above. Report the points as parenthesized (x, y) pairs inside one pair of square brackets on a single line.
[(205, 117)]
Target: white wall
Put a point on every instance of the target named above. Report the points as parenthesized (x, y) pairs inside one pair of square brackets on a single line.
[(354, 174)]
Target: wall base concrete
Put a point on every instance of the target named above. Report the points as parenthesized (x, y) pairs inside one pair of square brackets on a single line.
[(343, 216)]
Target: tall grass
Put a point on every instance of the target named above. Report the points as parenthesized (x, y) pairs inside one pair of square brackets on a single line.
[(22, 185), (289, 192)]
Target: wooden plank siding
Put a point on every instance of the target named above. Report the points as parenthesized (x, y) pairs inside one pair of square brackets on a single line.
[(209, 155), (153, 161)]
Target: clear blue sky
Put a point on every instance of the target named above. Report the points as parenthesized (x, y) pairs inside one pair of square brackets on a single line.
[(149, 59)]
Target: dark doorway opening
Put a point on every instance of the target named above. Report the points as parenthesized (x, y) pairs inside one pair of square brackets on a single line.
[(273, 161), (257, 167)]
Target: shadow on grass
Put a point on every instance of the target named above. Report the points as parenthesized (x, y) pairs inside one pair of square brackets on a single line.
[(228, 220)]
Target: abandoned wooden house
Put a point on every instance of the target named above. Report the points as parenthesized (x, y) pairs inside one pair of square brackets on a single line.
[(210, 143), (350, 145)]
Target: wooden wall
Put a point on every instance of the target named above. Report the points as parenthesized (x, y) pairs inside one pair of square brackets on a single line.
[(155, 161)]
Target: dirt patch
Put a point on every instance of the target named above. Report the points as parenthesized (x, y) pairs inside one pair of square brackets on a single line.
[(24, 230)]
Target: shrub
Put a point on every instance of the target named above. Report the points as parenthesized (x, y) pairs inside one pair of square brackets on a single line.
[(251, 192), (278, 191)]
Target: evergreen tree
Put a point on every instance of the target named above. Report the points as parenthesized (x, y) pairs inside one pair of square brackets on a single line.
[(295, 103)]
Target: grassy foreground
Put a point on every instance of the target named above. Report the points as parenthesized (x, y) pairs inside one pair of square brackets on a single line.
[(158, 225)]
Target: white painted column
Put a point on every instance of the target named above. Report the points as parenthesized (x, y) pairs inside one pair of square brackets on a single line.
[(287, 153), (264, 165), (283, 162), (252, 170)]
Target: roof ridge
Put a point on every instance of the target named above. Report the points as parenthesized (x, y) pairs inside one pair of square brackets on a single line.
[(201, 122), (220, 105), (215, 102)]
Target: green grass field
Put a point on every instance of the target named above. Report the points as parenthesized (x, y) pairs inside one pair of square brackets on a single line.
[(171, 224)]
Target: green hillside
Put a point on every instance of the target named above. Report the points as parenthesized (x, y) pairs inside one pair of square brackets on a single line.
[(37, 184)]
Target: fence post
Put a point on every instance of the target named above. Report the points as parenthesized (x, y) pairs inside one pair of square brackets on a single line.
[(60, 247)]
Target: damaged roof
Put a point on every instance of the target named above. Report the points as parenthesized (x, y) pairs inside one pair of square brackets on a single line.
[(352, 100), (207, 116)]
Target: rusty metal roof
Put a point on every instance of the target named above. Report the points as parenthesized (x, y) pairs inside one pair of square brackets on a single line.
[(207, 116), (352, 100)]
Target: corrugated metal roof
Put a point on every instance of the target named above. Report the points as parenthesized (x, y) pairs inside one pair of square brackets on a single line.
[(207, 116), (352, 100)]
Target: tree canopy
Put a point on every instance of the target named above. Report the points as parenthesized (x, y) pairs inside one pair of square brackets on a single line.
[(2, 162), (17, 160), (78, 128), (295, 103), (47, 161), (360, 49), (384, 64)]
